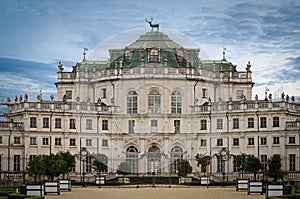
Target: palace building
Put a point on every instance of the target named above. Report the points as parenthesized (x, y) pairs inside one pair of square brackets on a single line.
[(153, 102)]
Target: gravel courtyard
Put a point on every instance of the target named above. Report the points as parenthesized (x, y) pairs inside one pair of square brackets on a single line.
[(153, 193)]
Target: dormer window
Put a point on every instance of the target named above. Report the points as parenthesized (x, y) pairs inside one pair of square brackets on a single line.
[(154, 54), (127, 55)]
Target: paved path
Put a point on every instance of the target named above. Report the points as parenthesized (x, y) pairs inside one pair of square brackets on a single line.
[(154, 193)]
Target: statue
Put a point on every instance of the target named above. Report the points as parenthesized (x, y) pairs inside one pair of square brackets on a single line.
[(282, 96), (52, 98), (16, 99), (287, 98), (256, 97), (20, 98), (293, 98), (153, 25), (25, 97)]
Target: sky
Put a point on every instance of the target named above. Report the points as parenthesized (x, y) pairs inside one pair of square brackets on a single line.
[(37, 34)]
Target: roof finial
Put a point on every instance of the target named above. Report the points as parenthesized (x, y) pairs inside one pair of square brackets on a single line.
[(84, 53), (152, 25), (224, 49)]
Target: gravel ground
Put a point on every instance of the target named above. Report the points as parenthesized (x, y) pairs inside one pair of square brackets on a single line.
[(153, 193)]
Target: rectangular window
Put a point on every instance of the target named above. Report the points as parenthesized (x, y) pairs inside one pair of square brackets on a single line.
[(88, 164), (292, 140), (264, 161), (32, 122), (17, 162), (17, 140), (219, 164), (220, 142), (88, 124), (263, 122), (104, 93), (275, 121), (236, 141), (154, 125), (292, 160), (239, 94), (250, 122), (1, 141), (72, 142), (88, 142), (131, 124), (263, 141), (45, 122), (57, 123), (32, 140), (177, 126), (104, 124), (235, 165), (1, 162), (104, 143), (31, 157), (204, 93), (275, 140), (250, 141), (72, 124), (236, 124), (69, 94), (203, 142), (45, 141), (203, 125), (219, 123), (57, 141)]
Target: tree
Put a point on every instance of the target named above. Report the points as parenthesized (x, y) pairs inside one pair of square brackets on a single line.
[(37, 167), (68, 162), (124, 168), (100, 162), (240, 162), (54, 166), (203, 161), (184, 167), (274, 167), (252, 165)]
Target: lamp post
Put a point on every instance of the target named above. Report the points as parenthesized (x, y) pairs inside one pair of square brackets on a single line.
[(83, 155)]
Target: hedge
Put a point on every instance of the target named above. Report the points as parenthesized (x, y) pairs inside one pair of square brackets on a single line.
[(290, 196), (20, 196)]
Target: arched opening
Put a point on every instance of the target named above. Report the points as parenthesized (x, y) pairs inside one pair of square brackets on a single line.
[(154, 160), (154, 102), (132, 158), (176, 156), (132, 102), (176, 102)]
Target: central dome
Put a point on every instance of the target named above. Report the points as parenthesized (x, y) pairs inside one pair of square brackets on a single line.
[(151, 39)]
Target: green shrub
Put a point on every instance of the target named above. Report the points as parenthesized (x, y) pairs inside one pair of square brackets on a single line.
[(290, 196), (20, 196)]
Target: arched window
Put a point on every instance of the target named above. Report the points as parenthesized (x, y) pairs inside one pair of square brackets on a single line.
[(154, 102), (132, 103), (176, 102), (132, 158), (176, 156), (154, 160), (154, 55)]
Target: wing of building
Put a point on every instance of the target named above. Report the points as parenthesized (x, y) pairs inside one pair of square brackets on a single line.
[(151, 103)]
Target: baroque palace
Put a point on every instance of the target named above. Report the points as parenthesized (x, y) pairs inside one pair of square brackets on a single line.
[(153, 102)]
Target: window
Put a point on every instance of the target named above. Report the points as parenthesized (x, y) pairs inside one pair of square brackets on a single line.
[(1, 162), (264, 161), (72, 124), (292, 160), (176, 102), (154, 102), (127, 55), (104, 124), (203, 142), (177, 126), (104, 143), (1, 141), (57, 141), (88, 164), (236, 141), (31, 157), (72, 142), (219, 123), (45, 122), (132, 102), (132, 159), (203, 125), (275, 121), (219, 164), (17, 162), (204, 93), (154, 125), (57, 123), (153, 55), (275, 140), (32, 140), (292, 140), (220, 142), (263, 122), (104, 93), (251, 122), (69, 94), (45, 141), (239, 94), (89, 124), (250, 141), (131, 124), (88, 142), (236, 123), (263, 141), (17, 140), (32, 122)]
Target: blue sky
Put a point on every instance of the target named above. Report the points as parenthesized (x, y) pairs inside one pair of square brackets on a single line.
[(36, 34)]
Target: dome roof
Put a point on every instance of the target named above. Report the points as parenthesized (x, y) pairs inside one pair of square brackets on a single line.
[(154, 39)]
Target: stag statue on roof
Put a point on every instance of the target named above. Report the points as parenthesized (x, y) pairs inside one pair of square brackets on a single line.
[(152, 25)]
